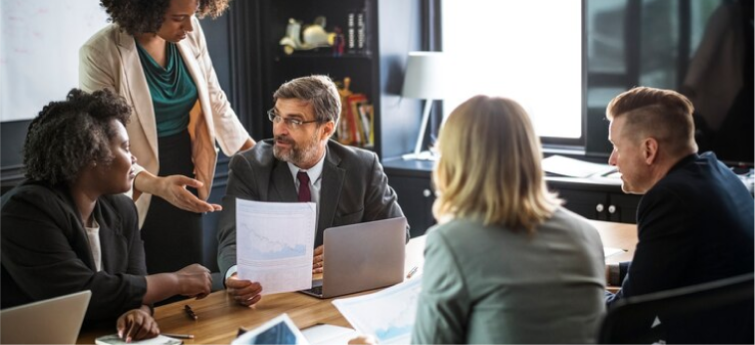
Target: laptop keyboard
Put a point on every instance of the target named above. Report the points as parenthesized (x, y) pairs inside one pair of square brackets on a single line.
[(316, 290)]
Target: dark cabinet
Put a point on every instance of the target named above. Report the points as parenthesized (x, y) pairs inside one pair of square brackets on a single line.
[(600, 200), (416, 197), (411, 181)]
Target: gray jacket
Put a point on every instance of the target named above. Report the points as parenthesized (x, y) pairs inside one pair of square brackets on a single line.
[(487, 284)]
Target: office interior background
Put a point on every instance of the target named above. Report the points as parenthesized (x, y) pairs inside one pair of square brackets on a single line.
[(563, 59)]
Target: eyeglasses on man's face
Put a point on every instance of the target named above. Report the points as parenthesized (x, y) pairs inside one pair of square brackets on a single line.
[(291, 123)]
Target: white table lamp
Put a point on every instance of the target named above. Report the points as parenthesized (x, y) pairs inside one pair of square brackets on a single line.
[(424, 80)]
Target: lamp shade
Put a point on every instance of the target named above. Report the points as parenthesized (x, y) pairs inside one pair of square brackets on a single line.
[(424, 76)]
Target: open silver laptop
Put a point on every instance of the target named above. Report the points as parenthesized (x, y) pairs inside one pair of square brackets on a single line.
[(53, 321), (360, 257)]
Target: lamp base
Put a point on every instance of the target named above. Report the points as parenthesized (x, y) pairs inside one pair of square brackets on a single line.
[(422, 156)]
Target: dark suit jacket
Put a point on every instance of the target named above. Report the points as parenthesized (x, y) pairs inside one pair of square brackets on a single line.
[(353, 189), (45, 251), (695, 225)]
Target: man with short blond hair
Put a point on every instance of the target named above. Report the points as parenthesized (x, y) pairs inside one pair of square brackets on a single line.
[(695, 220)]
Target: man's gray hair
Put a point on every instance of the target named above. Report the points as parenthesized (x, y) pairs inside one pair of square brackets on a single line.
[(319, 91)]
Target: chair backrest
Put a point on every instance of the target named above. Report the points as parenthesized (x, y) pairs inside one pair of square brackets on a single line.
[(631, 320)]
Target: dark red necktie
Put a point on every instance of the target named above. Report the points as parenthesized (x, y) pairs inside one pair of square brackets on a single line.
[(304, 194)]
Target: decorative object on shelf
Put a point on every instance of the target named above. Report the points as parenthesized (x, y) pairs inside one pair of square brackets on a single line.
[(424, 80), (339, 41), (343, 133), (314, 36)]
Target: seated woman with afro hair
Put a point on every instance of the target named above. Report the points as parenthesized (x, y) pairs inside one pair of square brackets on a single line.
[(68, 227)]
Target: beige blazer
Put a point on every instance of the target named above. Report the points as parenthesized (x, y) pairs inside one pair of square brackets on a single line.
[(110, 59)]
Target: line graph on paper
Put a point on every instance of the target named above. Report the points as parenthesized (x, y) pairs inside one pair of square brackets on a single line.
[(399, 324), (275, 245), (274, 231), (388, 315)]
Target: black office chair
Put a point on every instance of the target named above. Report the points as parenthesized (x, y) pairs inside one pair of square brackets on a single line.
[(725, 306)]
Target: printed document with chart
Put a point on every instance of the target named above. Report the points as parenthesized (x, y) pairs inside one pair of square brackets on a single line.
[(274, 244), (388, 315)]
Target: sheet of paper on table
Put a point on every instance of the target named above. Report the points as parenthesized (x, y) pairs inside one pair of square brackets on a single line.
[(387, 315), (329, 334)]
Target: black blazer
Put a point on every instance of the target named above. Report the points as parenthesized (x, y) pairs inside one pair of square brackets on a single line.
[(694, 226), (354, 189), (45, 251)]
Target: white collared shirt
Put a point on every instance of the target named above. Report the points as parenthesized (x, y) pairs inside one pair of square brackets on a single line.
[(93, 235), (315, 179)]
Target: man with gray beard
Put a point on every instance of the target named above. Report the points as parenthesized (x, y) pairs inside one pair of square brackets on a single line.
[(300, 163)]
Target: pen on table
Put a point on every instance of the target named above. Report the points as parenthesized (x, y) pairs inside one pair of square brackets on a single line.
[(178, 336), (190, 312), (412, 272)]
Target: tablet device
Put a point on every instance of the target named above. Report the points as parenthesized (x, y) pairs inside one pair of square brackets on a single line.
[(280, 330)]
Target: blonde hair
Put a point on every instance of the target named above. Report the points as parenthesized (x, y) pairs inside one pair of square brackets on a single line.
[(489, 168)]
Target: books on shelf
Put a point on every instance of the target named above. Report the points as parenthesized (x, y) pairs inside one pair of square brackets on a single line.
[(357, 129), (360, 31), (357, 119), (350, 31), (368, 122), (356, 32)]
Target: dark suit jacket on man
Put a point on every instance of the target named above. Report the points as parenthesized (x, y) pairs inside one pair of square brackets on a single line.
[(694, 226), (46, 253), (353, 189)]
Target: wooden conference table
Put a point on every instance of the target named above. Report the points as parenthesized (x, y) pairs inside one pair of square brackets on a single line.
[(219, 317)]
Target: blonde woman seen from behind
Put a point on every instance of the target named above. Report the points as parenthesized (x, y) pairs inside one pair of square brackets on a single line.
[(506, 263)]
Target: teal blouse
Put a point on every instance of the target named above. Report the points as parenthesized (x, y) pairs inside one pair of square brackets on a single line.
[(173, 91)]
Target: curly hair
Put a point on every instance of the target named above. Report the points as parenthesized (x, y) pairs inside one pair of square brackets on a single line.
[(68, 135), (146, 16)]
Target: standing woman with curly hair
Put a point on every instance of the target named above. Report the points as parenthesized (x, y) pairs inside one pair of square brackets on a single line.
[(154, 54), (69, 228)]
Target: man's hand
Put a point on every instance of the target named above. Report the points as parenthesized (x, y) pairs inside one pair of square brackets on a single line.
[(173, 189), (136, 324), (244, 292), (363, 339), (318, 263), (194, 281)]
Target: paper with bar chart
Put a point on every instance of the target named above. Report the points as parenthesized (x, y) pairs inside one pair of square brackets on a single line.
[(274, 244), (387, 315)]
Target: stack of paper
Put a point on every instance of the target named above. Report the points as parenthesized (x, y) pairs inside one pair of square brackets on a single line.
[(570, 167)]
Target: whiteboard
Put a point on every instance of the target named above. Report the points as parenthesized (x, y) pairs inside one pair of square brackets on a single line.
[(39, 51)]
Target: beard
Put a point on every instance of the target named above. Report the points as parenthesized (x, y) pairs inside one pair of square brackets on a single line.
[(296, 154)]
